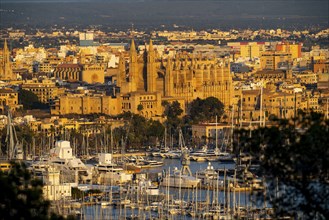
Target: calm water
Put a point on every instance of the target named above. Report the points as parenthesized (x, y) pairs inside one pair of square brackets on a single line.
[(194, 166)]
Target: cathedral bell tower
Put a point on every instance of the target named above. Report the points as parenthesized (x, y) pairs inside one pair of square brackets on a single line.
[(133, 67), (151, 69), (169, 78), (6, 71), (121, 71)]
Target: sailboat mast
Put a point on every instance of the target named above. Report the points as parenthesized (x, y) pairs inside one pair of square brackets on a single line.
[(216, 134), (232, 126), (87, 145), (11, 139), (261, 107), (241, 110), (165, 138), (111, 140)]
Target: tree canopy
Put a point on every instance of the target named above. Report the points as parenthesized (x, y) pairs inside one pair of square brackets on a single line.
[(205, 110), (138, 130), (172, 112), (21, 196), (294, 158)]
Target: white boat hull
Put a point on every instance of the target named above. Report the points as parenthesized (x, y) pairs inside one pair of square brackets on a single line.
[(181, 181)]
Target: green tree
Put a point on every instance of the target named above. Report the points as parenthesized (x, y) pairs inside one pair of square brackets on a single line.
[(205, 110), (134, 131), (294, 158), (173, 112), (137, 132), (155, 131), (140, 108), (21, 196), (24, 132)]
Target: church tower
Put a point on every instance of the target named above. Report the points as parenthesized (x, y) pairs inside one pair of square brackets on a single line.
[(121, 71), (169, 82), (151, 69), (133, 67), (6, 71)]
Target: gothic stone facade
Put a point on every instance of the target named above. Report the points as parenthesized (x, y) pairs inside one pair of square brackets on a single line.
[(181, 77), (6, 71)]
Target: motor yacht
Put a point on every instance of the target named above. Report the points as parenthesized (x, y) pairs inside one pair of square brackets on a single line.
[(111, 172), (179, 180), (62, 158)]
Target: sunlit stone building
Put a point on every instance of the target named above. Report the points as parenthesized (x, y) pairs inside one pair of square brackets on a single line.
[(184, 77)]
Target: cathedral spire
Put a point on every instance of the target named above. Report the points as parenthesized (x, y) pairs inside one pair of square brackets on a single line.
[(132, 46), (6, 54), (122, 70), (133, 67), (6, 71), (151, 69), (169, 78), (151, 46), (5, 46), (151, 52)]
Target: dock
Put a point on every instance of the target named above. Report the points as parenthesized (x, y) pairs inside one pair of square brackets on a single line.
[(130, 154)]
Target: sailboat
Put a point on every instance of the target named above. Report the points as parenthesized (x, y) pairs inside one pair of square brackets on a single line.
[(14, 147), (182, 178)]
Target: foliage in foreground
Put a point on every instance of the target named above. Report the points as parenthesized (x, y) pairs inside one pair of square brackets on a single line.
[(21, 196), (294, 157)]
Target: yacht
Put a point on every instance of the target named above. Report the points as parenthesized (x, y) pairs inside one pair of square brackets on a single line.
[(206, 154), (199, 155), (158, 152), (148, 164), (209, 176), (226, 157), (180, 180), (111, 172), (62, 158), (208, 173)]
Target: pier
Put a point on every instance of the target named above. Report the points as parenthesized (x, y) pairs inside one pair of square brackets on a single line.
[(130, 154)]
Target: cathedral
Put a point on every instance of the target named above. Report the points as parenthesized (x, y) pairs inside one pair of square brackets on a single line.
[(183, 77), (6, 71)]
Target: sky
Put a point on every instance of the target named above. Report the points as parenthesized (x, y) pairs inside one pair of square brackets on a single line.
[(292, 14)]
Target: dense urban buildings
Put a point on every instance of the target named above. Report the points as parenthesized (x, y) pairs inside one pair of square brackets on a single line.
[(112, 78)]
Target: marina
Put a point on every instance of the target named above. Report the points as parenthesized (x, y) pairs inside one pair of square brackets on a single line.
[(144, 185), (177, 183)]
